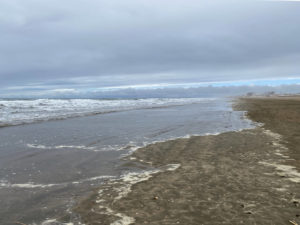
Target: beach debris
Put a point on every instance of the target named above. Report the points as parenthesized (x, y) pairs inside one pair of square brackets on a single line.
[(296, 203), (293, 222), (155, 198)]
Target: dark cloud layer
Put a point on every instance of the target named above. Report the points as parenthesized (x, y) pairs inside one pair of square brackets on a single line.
[(93, 43)]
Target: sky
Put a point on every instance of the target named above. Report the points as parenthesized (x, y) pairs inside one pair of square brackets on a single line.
[(86, 47)]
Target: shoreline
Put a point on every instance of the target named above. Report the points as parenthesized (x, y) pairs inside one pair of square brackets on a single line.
[(69, 152), (230, 178)]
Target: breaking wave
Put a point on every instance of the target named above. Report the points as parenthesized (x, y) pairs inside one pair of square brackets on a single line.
[(17, 112)]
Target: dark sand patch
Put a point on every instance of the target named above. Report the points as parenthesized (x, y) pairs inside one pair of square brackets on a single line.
[(231, 178)]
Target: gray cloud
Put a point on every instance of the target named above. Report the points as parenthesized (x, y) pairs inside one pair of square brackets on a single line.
[(94, 43)]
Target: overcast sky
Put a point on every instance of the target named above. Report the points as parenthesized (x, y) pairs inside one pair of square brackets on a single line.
[(82, 45)]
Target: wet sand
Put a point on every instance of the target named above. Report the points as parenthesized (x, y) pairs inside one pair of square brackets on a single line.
[(246, 177), (281, 115)]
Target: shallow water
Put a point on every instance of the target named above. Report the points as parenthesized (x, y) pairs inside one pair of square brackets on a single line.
[(46, 167)]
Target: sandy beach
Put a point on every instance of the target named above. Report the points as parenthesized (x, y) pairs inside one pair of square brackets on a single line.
[(246, 177)]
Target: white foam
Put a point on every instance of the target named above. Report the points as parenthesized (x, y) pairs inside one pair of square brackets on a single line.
[(55, 222), (132, 148), (60, 147), (172, 167), (49, 221), (93, 179), (5, 184), (14, 112), (125, 220), (290, 172), (285, 170), (282, 155), (127, 181), (80, 147), (273, 135), (281, 189)]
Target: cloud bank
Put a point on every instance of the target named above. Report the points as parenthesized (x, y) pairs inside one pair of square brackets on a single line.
[(77, 46)]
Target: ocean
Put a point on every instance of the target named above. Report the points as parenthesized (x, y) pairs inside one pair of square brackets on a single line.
[(53, 152)]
